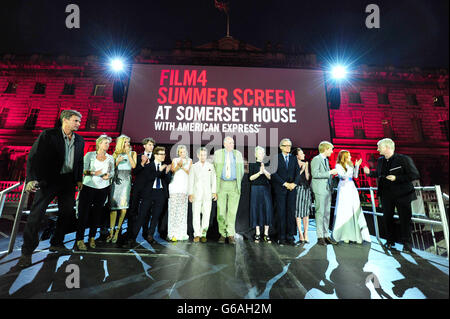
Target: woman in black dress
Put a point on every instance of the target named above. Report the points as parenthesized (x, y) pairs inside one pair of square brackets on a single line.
[(260, 197), (303, 201)]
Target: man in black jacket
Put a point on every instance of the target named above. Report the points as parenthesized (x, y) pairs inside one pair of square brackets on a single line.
[(284, 181), (54, 169), (156, 177), (139, 185), (395, 173)]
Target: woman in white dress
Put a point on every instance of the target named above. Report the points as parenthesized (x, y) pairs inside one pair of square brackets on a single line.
[(178, 196), (350, 224)]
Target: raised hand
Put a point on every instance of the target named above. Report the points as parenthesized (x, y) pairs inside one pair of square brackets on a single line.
[(358, 162), (366, 170)]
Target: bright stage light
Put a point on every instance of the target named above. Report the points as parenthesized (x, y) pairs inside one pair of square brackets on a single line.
[(117, 65), (339, 72)]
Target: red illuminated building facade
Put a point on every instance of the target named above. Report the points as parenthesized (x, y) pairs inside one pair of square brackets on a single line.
[(408, 105)]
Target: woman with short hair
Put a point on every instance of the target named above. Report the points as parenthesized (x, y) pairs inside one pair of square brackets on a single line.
[(98, 171), (260, 197), (178, 196)]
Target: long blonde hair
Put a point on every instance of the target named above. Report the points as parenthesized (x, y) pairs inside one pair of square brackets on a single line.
[(343, 159), (120, 145)]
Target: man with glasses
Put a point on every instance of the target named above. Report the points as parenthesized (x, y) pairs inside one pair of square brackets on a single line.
[(285, 179), (155, 195), (229, 166)]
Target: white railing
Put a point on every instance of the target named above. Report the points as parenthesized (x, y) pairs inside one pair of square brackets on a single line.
[(436, 209), (10, 186)]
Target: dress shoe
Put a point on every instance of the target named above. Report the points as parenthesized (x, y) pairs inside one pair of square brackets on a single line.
[(150, 239), (321, 242), (59, 249), (221, 240), (24, 261), (290, 242), (281, 242), (231, 240), (204, 240), (389, 245), (196, 239), (331, 241), (80, 246), (267, 239), (407, 248)]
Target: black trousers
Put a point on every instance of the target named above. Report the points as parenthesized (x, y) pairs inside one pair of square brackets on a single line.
[(64, 190), (152, 206), (90, 207), (137, 195), (403, 205), (285, 215)]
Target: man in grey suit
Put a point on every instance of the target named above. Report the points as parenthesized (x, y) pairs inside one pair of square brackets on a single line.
[(321, 186)]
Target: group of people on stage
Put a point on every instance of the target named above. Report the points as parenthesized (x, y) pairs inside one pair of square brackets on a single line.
[(56, 167)]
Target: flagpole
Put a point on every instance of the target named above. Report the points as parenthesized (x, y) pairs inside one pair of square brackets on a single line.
[(228, 25)]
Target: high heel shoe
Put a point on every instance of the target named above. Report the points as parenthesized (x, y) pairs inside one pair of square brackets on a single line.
[(80, 246), (110, 236), (92, 242), (116, 235), (267, 239)]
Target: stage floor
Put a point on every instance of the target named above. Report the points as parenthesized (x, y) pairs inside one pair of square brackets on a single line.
[(186, 270)]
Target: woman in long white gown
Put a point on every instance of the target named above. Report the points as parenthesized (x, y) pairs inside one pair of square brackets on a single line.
[(350, 224)]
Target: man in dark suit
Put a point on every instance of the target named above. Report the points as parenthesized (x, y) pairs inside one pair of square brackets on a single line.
[(54, 169), (141, 182), (284, 181), (155, 195), (395, 173)]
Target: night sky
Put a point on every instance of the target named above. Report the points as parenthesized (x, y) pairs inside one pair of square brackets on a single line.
[(412, 33)]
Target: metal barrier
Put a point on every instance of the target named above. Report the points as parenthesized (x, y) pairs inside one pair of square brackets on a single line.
[(4, 193), (440, 207)]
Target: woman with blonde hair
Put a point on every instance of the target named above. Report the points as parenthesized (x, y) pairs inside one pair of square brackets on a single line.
[(125, 161), (98, 171), (350, 224), (178, 196)]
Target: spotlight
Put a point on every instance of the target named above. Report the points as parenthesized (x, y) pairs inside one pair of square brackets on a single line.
[(117, 65), (338, 72)]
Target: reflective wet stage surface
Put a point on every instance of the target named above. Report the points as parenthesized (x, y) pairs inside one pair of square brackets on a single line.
[(211, 270)]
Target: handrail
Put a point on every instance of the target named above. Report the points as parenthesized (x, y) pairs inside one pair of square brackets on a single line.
[(439, 197), (3, 194)]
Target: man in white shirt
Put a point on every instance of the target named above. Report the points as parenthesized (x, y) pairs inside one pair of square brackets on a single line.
[(202, 188)]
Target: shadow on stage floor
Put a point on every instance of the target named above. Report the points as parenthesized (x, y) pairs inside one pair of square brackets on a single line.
[(211, 270)]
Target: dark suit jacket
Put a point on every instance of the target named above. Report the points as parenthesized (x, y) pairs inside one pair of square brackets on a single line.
[(290, 174), (141, 179), (150, 173), (46, 157), (402, 166)]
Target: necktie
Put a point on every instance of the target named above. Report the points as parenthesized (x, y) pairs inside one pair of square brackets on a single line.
[(158, 181), (326, 163), (228, 166), (287, 160)]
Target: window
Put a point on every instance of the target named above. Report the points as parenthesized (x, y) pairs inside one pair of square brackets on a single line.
[(69, 89), (99, 90), (417, 129), (354, 98), (30, 123), (438, 101), (358, 127), (412, 99), (92, 121), (3, 116), (444, 128), (39, 88), (383, 99), (11, 88), (387, 128)]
